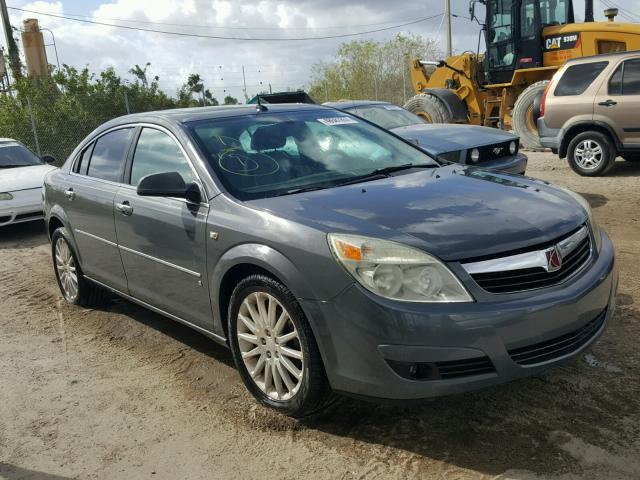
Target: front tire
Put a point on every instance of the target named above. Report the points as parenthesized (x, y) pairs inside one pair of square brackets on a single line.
[(523, 118), (74, 287), (274, 348), (429, 107), (591, 154)]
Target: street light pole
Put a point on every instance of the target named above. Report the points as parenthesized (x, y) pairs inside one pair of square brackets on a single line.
[(447, 13)]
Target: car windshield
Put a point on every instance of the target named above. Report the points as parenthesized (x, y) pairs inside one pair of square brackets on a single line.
[(269, 154), (16, 155), (387, 116)]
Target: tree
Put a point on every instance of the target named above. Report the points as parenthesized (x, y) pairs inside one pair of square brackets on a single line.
[(364, 69), (229, 100), (141, 73)]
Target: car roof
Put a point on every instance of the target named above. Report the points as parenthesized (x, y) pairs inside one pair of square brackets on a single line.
[(354, 103), (603, 56), (204, 113)]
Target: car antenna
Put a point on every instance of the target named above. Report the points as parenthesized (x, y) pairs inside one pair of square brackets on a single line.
[(260, 107)]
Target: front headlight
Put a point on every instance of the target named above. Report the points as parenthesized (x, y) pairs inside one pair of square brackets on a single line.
[(396, 271), (475, 155), (595, 228), (513, 148), (6, 196)]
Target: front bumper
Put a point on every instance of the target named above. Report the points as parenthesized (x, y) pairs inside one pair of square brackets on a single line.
[(510, 164), (363, 338), (26, 206)]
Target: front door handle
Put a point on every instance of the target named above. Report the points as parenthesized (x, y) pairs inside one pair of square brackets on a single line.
[(124, 208), (69, 193), (608, 103)]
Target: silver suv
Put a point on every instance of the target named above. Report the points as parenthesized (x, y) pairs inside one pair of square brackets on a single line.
[(589, 112)]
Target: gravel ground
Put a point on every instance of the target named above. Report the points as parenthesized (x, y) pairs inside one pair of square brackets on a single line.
[(120, 392)]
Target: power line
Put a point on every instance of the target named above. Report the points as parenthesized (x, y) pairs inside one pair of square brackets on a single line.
[(220, 37), (214, 27), (628, 14)]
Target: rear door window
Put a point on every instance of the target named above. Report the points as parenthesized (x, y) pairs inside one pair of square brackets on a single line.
[(109, 154), (631, 77), (577, 78), (82, 164)]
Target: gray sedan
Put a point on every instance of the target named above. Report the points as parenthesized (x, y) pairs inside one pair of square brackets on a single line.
[(483, 147), (328, 254)]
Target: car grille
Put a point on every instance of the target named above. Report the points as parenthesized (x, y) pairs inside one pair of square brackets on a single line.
[(511, 281), (491, 152), (465, 368), (559, 346)]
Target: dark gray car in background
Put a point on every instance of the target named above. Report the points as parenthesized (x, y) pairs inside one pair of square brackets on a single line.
[(328, 254), (482, 147)]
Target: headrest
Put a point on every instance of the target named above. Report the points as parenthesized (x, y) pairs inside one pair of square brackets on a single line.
[(269, 137)]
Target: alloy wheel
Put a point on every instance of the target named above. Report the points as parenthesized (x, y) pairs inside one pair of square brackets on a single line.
[(66, 269), (588, 154), (270, 346)]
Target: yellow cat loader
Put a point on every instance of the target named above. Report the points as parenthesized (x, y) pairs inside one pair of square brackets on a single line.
[(526, 42)]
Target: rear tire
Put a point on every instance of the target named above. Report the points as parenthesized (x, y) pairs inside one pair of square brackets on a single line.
[(274, 348), (591, 154), (524, 121), (429, 107), (74, 287)]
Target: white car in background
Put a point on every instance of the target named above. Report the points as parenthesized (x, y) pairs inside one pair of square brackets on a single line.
[(21, 177)]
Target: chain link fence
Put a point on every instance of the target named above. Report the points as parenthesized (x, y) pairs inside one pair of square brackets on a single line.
[(53, 123)]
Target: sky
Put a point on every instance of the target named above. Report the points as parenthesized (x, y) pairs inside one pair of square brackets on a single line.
[(279, 63)]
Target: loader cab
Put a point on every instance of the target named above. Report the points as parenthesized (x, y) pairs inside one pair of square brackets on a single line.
[(513, 31)]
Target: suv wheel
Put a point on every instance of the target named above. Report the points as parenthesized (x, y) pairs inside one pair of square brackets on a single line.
[(591, 154), (274, 349), (73, 286)]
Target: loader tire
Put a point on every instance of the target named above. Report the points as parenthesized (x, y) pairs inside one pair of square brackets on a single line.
[(429, 107), (523, 118)]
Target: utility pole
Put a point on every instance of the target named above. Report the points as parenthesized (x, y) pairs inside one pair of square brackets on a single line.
[(447, 13), (14, 56)]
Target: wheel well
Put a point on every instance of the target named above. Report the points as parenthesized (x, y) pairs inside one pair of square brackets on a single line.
[(233, 276), (578, 129), (54, 223)]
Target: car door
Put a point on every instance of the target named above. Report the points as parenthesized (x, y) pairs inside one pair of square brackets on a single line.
[(618, 101), (162, 240), (95, 177)]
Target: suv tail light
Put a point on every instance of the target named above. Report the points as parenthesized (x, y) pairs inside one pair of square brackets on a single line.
[(544, 98)]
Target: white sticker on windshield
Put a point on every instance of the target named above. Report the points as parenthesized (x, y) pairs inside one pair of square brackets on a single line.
[(337, 121), (392, 107)]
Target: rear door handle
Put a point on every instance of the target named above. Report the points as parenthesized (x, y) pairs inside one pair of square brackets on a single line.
[(69, 193), (608, 103), (124, 208)]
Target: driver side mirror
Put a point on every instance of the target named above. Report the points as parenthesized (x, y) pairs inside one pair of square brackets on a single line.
[(50, 159), (169, 184)]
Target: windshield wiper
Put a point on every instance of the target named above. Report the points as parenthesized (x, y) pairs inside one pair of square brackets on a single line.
[(397, 168), (310, 188)]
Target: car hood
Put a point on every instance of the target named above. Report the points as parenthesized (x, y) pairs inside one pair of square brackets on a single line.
[(439, 138), (23, 178), (452, 212)]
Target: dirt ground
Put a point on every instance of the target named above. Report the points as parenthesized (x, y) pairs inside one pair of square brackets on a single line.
[(121, 392)]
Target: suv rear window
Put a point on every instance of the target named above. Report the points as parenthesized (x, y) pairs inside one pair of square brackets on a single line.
[(577, 78)]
